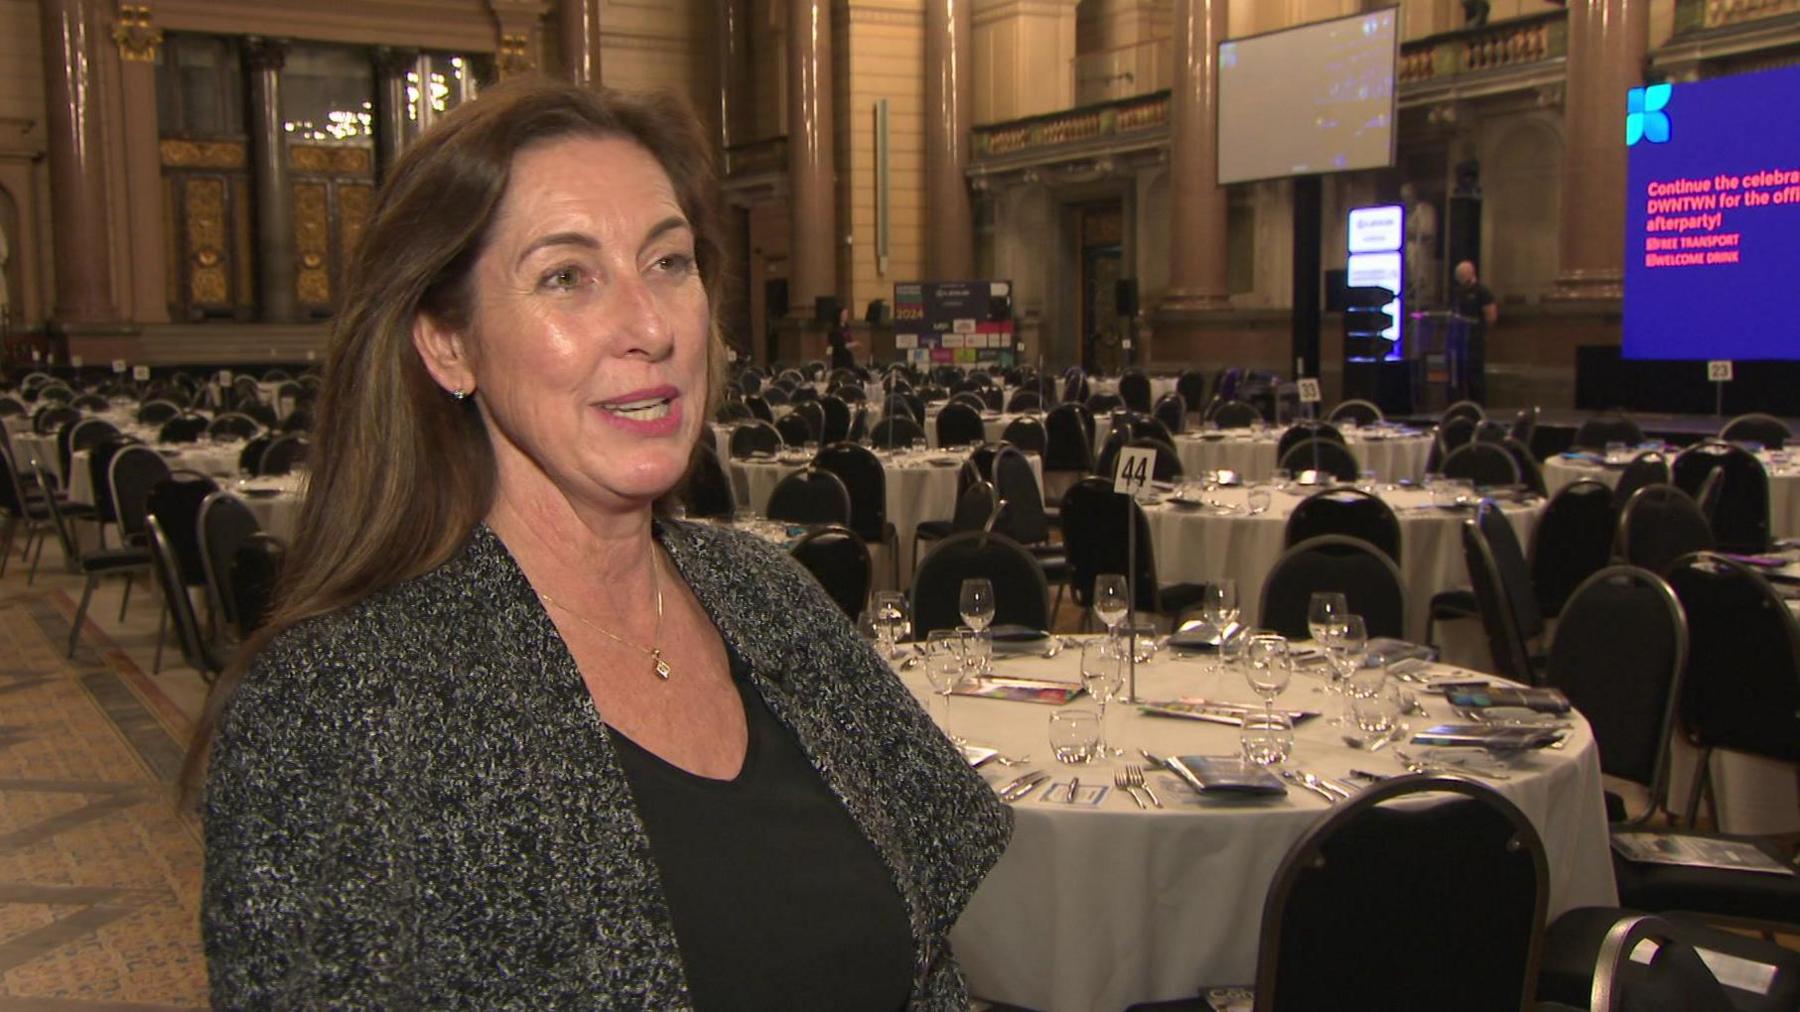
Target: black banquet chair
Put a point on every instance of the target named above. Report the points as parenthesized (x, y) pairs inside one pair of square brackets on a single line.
[(225, 524), (708, 490), (1021, 596), (1301, 431), (1572, 541), (796, 429), (93, 563), (754, 438), (284, 454), (1326, 456), (1364, 574), (1771, 432), (1407, 946), (255, 575), (1599, 430), (1648, 468), (1358, 411), (1027, 434), (839, 560), (1485, 464), (864, 477), (1235, 415), (959, 425), (896, 432), (1504, 597), (1739, 507), (180, 607), (809, 496), (1094, 539), (1659, 524), (1347, 511)]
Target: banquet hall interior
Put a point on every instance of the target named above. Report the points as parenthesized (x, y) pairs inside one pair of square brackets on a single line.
[(986, 257)]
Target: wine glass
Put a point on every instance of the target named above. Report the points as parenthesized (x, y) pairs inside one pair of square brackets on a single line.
[(1219, 609), (978, 651), (976, 602), (893, 621), (1103, 675), (1325, 615), (944, 667), (1110, 599), (1267, 668)]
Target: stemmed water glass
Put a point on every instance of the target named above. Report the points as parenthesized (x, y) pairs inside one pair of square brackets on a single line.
[(1103, 675), (893, 621), (1267, 667), (1110, 600), (976, 602), (1219, 609), (944, 667), (1325, 615), (1346, 650)]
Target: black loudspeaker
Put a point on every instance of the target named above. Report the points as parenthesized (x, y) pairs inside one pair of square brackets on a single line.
[(775, 298), (1125, 296), (826, 309), (877, 313), (999, 308), (1464, 242)]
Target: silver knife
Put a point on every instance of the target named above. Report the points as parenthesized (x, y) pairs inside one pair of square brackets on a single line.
[(1330, 785), (1300, 781), (1021, 786), (1179, 770)]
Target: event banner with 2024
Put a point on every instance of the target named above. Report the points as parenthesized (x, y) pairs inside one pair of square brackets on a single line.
[(960, 322)]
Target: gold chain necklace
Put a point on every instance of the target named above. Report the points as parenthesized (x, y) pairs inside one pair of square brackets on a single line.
[(653, 652)]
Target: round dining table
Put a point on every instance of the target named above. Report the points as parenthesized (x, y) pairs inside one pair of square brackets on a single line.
[(1097, 906), (1782, 467), (1394, 454), (1222, 538)]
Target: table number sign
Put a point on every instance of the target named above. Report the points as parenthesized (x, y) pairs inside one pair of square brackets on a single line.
[(1718, 371), (1309, 390), (118, 365), (224, 377), (140, 373), (1134, 468), (75, 361)]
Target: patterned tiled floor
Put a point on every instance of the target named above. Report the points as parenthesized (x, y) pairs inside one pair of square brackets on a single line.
[(99, 874)]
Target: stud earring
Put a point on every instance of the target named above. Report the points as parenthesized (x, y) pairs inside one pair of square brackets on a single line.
[(460, 394)]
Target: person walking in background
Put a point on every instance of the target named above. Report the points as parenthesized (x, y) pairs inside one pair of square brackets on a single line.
[(1472, 299)]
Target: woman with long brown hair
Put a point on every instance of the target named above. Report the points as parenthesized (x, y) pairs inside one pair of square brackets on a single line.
[(513, 737)]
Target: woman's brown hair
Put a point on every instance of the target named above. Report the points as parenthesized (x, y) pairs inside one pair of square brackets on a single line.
[(401, 472)]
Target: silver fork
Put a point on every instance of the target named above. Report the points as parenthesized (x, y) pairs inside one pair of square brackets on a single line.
[(1134, 776), (1123, 783)]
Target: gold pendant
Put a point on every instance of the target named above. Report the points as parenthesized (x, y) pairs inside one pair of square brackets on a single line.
[(662, 666)]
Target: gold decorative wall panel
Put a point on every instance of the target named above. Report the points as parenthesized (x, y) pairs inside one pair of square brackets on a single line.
[(179, 154), (312, 244), (354, 201), (353, 161), (203, 214)]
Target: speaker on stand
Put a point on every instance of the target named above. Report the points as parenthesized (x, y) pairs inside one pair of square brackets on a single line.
[(1125, 303)]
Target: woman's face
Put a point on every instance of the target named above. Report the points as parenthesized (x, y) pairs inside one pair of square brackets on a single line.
[(587, 346)]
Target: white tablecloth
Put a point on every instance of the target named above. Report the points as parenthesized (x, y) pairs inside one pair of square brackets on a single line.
[(1097, 908), (277, 513), (1784, 485), (1392, 456), (1195, 546), (219, 460), (917, 489)]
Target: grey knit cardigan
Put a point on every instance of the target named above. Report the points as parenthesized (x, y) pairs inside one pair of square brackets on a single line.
[(412, 802)]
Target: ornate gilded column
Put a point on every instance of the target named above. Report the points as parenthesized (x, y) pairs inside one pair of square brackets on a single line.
[(392, 129), (581, 41), (949, 86), (138, 41), (1607, 40), (737, 101), (83, 264), (263, 60), (1197, 204), (812, 243), (519, 26)]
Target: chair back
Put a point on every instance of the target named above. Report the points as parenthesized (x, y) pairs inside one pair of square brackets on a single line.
[(1021, 596), (976, 507), (810, 496), (1625, 685), (175, 502), (1647, 468), (1234, 414), (753, 438), (1027, 434), (1134, 390), (732, 410), (1358, 411), (65, 534), (183, 429), (708, 487), (1573, 540), (53, 417), (759, 408), (1350, 512), (1509, 608), (1166, 467), (839, 560), (167, 567), (1457, 431), (284, 453), (1768, 430), (1530, 474), (1101, 403), (1485, 464), (1068, 447), (1024, 400), (225, 522), (796, 429), (1524, 425), (232, 425), (1171, 412), (83, 435), (1191, 385), (959, 424), (1594, 433), (133, 472), (1323, 455), (862, 474), (256, 572), (1075, 385), (1463, 409), (1304, 430), (1741, 687), (1094, 534), (837, 419), (1364, 574), (1740, 511), (1659, 524), (895, 432), (1024, 519), (1457, 924)]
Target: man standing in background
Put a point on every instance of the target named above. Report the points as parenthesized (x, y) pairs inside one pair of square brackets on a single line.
[(1472, 299)]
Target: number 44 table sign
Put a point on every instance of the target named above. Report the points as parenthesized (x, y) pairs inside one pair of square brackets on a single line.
[(1131, 477)]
